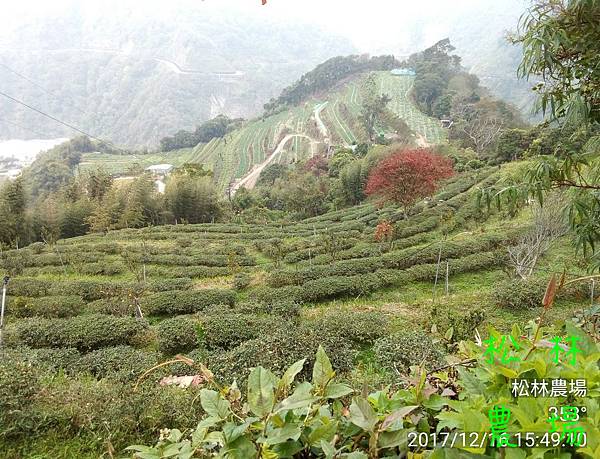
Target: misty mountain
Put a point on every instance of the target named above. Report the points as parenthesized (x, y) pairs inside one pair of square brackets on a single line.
[(134, 78)]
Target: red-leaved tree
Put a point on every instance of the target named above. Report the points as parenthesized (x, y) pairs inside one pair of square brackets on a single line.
[(408, 175)]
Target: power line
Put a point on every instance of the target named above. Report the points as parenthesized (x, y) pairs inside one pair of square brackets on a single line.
[(51, 93), (22, 127), (61, 122)]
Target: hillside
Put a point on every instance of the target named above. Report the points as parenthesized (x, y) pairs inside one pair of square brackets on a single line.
[(239, 295), (144, 73), (293, 134)]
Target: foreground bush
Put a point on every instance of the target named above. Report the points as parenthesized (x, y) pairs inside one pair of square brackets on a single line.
[(325, 418), (400, 351), (228, 331), (86, 333), (519, 293)]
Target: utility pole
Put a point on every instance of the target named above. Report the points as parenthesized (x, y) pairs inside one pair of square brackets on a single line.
[(447, 270), (437, 273), (5, 284)]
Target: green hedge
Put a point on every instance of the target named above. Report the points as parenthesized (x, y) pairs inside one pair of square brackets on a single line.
[(401, 259), (177, 335), (277, 350), (47, 306), (228, 331), (186, 301), (401, 350), (86, 333), (520, 293), (123, 363)]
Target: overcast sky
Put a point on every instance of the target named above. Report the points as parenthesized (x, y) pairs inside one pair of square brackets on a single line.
[(372, 25)]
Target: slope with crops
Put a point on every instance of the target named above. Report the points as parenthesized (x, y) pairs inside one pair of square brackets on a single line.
[(371, 294)]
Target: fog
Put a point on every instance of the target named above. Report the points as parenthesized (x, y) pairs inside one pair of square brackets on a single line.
[(373, 26)]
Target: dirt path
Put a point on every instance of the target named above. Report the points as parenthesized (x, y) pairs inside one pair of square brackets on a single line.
[(422, 141), (249, 180), (321, 125)]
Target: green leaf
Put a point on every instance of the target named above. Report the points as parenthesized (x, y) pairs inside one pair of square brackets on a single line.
[(325, 431), (301, 398), (356, 455), (398, 415), (509, 373), (290, 374), (289, 431), (449, 333), (328, 449), (337, 390), (392, 439), (242, 448), (362, 414), (322, 371), (214, 404), (261, 398)]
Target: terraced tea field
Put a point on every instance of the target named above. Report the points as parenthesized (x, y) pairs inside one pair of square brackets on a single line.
[(398, 88), (234, 296), (242, 151)]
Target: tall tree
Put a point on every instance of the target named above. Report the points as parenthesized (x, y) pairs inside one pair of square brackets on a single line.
[(561, 46), (13, 206)]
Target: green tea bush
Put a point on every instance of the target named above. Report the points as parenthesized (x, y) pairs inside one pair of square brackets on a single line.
[(519, 293), (271, 296), (361, 327), (49, 360), (339, 286), (177, 335), (163, 285), (102, 268), (47, 306), (228, 331), (241, 281), (114, 306), (287, 309), (18, 386), (186, 301), (123, 363), (86, 333), (278, 350), (401, 350)]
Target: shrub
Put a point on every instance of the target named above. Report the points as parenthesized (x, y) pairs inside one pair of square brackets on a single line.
[(241, 281), (271, 296), (403, 349), (287, 309), (18, 386), (103, 268), (163, 285), (519, 293), (47, 306), (120, 362), (85, 333), (280, 349), (177, 335), (186, 301), (361, 327), (228, 331), (339, 286)]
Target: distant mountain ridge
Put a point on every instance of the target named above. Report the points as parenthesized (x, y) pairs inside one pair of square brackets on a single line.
[(133, 81)]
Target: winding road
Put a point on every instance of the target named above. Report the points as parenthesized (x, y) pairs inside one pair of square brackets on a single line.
[(249, 180)]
